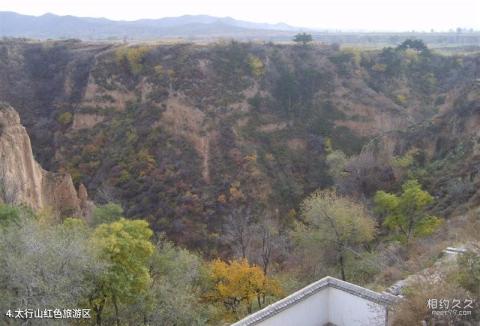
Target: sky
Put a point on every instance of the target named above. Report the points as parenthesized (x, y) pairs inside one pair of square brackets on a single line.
[(368, 15)]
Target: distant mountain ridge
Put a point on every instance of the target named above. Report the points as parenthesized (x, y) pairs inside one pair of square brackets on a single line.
[(189, 26)]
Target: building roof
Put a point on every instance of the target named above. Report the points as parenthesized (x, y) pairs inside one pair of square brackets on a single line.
[(384, 299)]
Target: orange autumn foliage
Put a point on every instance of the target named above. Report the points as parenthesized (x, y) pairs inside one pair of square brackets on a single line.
[(238, 286)]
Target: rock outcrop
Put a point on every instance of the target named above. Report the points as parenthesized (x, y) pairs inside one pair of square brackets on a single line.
[(22, 179), (86, 206)]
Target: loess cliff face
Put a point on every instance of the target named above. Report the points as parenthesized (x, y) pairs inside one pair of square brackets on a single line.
[(443, 152), (181, 134), (22, 179)]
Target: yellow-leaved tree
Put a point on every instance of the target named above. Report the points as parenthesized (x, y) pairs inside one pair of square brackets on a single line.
[(132, 57), (239, 287), (334, 224)]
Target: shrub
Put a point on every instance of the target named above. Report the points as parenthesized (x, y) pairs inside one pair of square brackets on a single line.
[(65, 118), (133, 57)]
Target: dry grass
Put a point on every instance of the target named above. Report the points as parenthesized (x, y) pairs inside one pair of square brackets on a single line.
[(414, 309)]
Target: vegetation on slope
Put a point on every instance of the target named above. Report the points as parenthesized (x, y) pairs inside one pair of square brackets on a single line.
[(241, 152)]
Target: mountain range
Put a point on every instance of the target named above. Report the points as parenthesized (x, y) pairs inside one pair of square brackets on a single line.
[(188, 26)]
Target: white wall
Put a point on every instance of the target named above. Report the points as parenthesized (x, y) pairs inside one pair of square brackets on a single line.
[(330, 305), (347, 309)]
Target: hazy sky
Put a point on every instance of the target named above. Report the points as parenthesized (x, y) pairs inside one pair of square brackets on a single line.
[(334, 14)]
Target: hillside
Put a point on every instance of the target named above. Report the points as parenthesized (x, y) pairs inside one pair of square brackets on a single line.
[(227, 175), (182, 134)]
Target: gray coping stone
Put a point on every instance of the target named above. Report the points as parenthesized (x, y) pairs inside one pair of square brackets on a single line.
[(384, 299)]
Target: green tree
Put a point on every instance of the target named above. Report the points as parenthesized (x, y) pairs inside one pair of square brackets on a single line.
[(337, 161), (406, 213), (303, 38), (13, 214), (125, 246), (334, 223), (417, 45), (107, 214), (174, 295)]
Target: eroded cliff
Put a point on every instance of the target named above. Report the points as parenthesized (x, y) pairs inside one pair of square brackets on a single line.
[(22, 179)]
